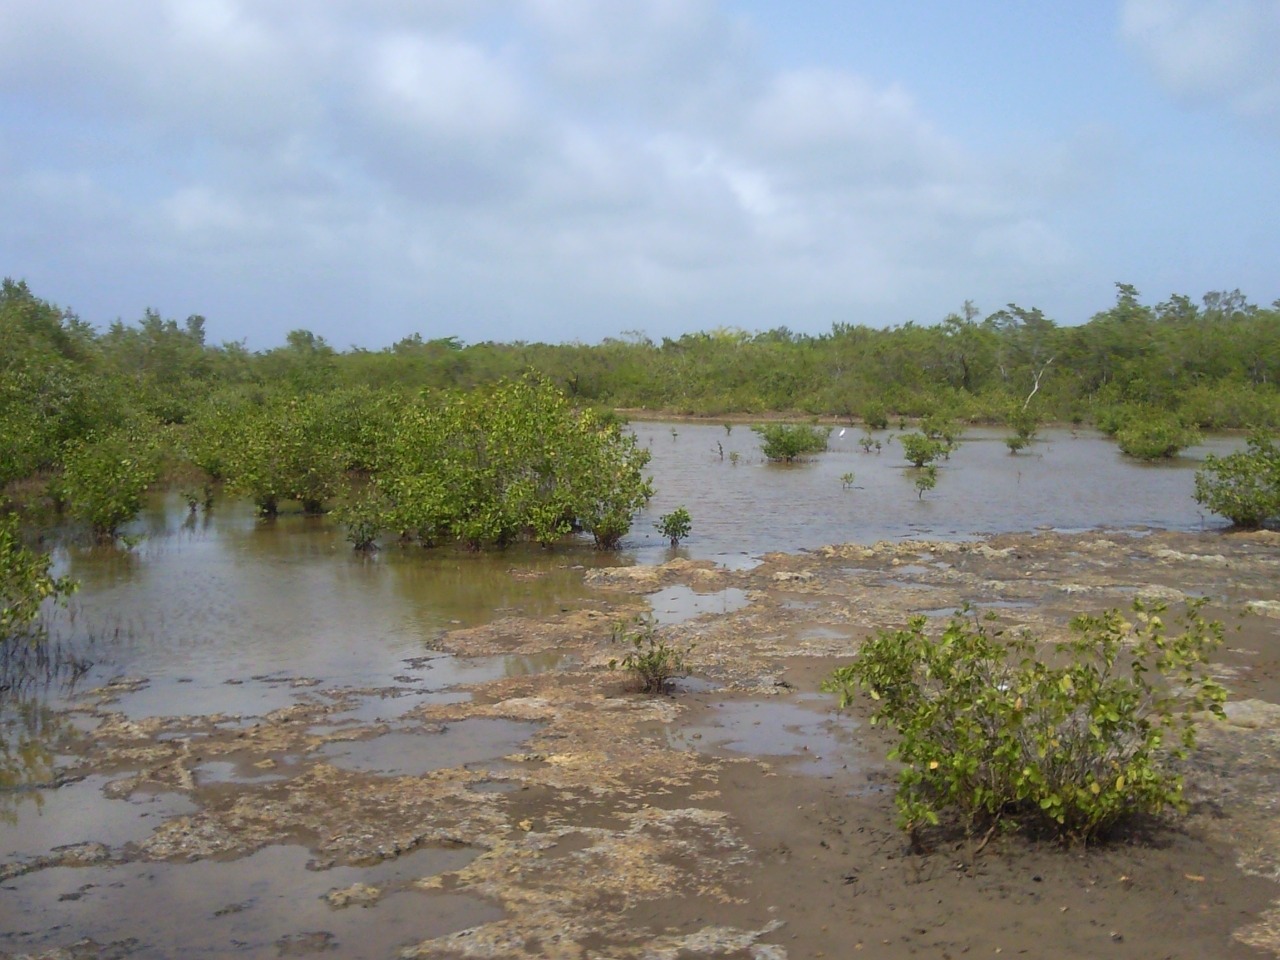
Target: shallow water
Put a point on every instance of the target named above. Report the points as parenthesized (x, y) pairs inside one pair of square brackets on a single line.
[(265, 905), (79, 812), (226, 614), (677, 604), (802, 730), (1068, 480), (411, 753)]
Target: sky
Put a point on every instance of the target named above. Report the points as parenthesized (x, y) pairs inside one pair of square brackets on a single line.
[(571, 170)]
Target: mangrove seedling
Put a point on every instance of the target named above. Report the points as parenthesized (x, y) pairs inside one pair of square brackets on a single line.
[(920, 450), (675, 526), (926, 479), (650, 659)]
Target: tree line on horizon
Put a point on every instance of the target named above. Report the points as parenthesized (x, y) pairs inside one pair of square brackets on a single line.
[(82, 405), (1216, 363)]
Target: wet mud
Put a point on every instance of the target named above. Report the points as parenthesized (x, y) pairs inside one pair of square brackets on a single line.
[(547, 809)]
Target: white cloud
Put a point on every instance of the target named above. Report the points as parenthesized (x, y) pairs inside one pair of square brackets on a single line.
[(579, 166), (1212, 51), (444, 88)]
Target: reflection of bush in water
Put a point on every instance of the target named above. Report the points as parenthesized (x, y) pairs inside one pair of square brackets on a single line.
[(30, 664), (30, 733)]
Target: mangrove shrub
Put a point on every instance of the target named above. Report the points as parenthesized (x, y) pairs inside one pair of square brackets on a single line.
[(1244, 487), (25, 583), (991, 728), (510, 461), (920, 450), (787, 442), (1155, 436), (105, 478)]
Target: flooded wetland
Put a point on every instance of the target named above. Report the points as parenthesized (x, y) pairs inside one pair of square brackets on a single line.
[(268, 745)]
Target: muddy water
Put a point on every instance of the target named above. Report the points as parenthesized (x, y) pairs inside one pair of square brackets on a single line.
[(802, 731), (270, 904), (1067, 481), (231, 597), (229, 618)]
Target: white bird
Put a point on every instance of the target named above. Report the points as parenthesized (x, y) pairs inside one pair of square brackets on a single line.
[(842, 431)]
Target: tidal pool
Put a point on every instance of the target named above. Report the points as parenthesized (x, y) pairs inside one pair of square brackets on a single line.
[(415, 752), (677, 604), (802, 730)]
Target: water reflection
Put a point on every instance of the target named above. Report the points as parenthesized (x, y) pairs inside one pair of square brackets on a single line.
[(31, 733), (221, 610), (1069, 481), (266, 905), (235, 598)]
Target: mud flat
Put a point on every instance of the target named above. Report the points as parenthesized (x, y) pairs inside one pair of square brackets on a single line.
[(552, 812)]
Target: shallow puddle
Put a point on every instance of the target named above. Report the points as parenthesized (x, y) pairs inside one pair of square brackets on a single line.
[(265, 905), (796, 728), (441, 675), (413, 753), (208, 696), (34, 821), (976, 607), (680, 603), (243, 772), (823, 633), (912, 570), (694, 685), (902, 583)]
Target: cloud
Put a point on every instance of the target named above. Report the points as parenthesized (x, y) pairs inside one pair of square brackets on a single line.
[(540, 169), (1212, 51)]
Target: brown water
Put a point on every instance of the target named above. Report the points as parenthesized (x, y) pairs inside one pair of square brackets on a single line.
[(229, 615)]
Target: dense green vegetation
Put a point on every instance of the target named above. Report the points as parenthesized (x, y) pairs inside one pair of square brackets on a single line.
[(505, 462), (992, 728), (25, 584), (1244, 487), (91, 418), (788, 442)]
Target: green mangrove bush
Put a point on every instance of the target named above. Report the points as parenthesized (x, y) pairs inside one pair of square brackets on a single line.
[(993, 728), (1155, 436), (1025, 424), (105, 478), (26, 582), (510, 461), (1244, 487), (788, 442), (920, 450)]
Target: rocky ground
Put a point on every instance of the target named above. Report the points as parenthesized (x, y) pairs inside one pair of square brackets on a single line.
[(738, 817)]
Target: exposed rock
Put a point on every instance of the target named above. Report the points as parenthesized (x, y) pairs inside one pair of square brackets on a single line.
[(1177, 556), (359, 894), (1252, 714), (1154, 592), (792, 576)]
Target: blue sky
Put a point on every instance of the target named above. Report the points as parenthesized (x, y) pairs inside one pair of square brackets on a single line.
[(574, 169)]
